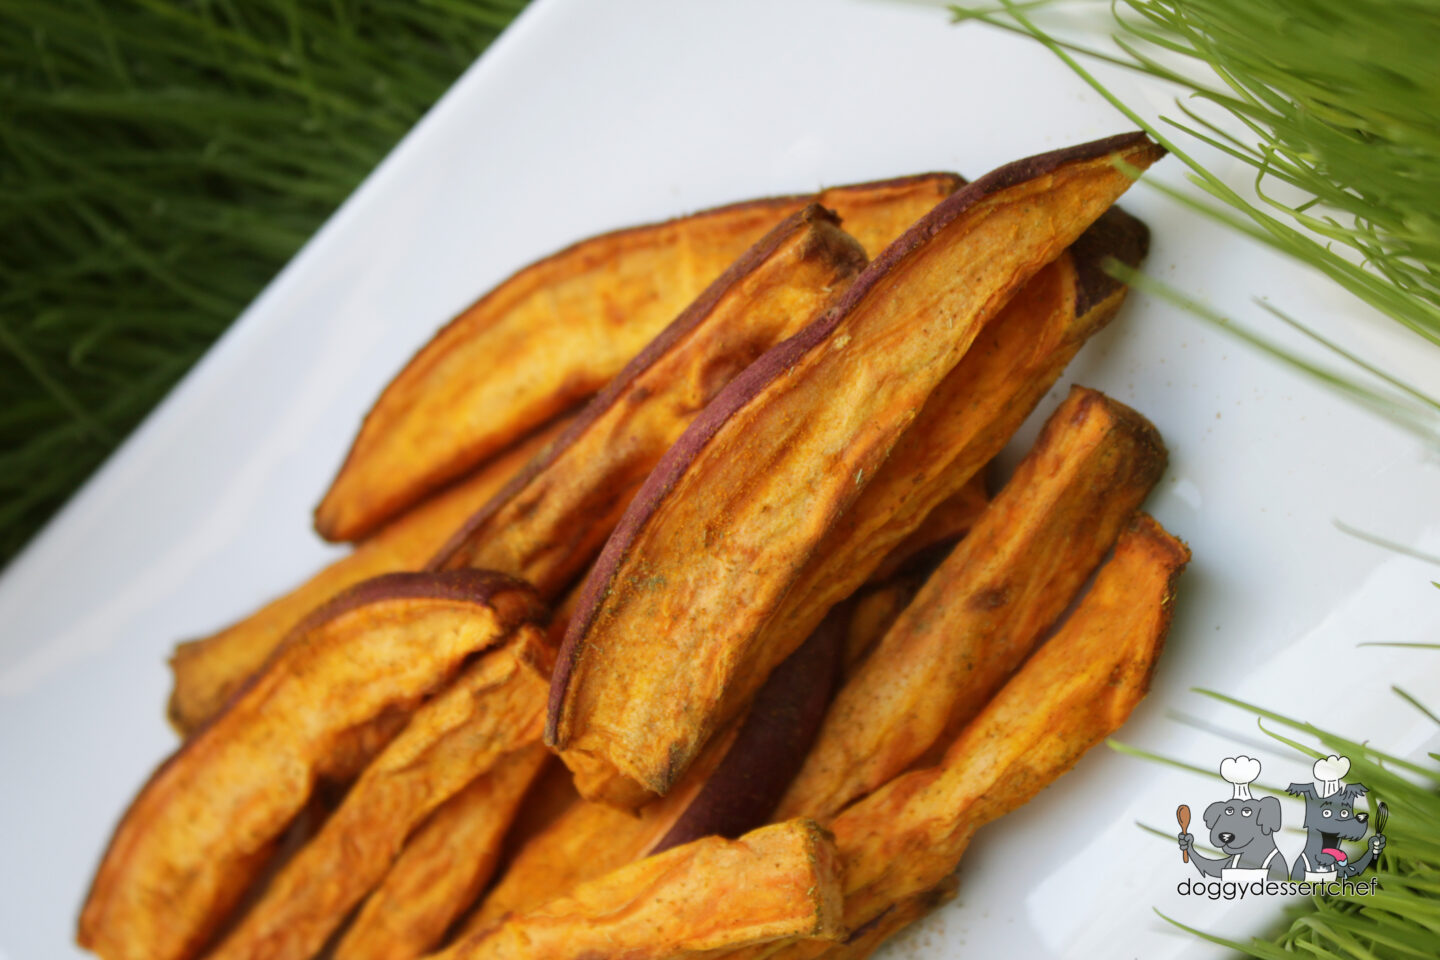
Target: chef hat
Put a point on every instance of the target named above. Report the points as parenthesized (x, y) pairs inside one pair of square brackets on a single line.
[(1241, 772), (1329, 771)]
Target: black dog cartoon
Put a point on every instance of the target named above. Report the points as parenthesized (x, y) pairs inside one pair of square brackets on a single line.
[(1329, 818), (1242, 827)]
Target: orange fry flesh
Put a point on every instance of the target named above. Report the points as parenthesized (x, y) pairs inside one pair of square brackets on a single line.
[(548, 524), (776, 883), (971, 415), (984, 608), (444, 865), (208, 671), (494, 707), (908, 836), (204, 825), (555, 332), (647, 674)]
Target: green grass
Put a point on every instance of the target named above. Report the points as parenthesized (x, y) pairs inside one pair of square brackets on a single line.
[(159, 162), (1335, 104), (1402, 920)]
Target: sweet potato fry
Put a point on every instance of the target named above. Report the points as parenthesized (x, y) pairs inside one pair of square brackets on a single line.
[(872, 613), (206, 822), (970, 416), (209, 671), (1078, 688), (444, 865), (945, 524), (663, 646), (494, 707), (982, 611), (555, 332), (778, 882), (906, 838), (866, 940), (548, 524), (772, 743), (586, 841), (732, 788)]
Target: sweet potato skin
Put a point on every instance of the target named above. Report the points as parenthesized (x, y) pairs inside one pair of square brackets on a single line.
[(947, 522), (550, 521), (208, 671), (777, 882), (971, 415), (494, 707), (863, 942), (565, 325), (587, 840), (873, 611), (732, 788), (781, 453), (1077, 689), (203, 825), (982, 611), (771, 744), (908, 836), (444, 865)]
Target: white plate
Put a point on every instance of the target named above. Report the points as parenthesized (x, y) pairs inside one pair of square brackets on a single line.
[(590, 116)]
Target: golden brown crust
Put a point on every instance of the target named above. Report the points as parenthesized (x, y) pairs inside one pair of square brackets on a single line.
[(554, 333), (966, 421), (731, 789), (445, 864), (1076, 690), (905, 839), (983, 610), (203, 826), (208, 671), (776, 883), (493, 708), (667, 639), (550, 521)]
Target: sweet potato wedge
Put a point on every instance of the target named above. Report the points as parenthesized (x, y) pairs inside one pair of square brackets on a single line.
[(771, 745), (662, 648), (946, 523), (205, 823), (732, 788), (208, 671), (1076, 690), (872, 613), (493, 708), (556, 331), (970, 416), (982, 611), (586, 841), (548, 524), (778, 882), (907, 837), (865, 941), (444, 865)]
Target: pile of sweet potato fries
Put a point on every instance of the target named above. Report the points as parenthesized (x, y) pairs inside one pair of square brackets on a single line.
[(679, 619)]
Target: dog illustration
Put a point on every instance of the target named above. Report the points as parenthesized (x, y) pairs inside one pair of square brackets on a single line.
[(1243, 828), (1329, 818)]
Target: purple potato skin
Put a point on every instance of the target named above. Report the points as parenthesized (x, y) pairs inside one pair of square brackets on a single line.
[(479, 587), (767, 368), (454, 551), (772, 742), (1116, 234)]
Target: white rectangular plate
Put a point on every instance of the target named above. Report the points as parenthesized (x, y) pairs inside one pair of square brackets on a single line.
[(589, 116)]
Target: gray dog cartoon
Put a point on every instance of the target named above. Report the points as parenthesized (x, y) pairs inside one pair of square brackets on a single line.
[(1243, 828), (1329, 818)]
